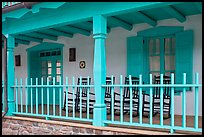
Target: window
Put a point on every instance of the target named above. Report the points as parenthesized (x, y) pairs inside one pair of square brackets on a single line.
[(161, 55)]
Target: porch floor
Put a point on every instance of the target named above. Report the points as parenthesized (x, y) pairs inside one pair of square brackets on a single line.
[(126, 118)]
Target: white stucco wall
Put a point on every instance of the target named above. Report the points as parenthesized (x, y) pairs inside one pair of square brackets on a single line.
[(116, 55)]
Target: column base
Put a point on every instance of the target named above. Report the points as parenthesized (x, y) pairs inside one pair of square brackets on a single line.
[(99, 115)]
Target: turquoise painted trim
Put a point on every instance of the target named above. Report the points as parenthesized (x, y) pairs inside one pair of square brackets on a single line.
[(174, 13), (184, 55), (45, 46), (162, 57), (24, 42), (56, 117), (199, 6), (11, 74), (58, 32), (150, 100), (154, 126), (99, 69), (146, 19), (160, 31), (121, 23), (27, 38), (77, 30), (67, 14), (42, 35), (130, 83), (140, 99), (121, 99)]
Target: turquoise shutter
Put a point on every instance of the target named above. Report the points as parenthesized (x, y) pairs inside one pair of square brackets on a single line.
[(184, 56), (135, 56)]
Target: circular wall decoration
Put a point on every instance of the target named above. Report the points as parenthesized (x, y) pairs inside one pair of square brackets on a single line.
[(82, 64)]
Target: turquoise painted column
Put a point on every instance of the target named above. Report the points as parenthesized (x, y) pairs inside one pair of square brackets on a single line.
[(10, 67), (99, 69)]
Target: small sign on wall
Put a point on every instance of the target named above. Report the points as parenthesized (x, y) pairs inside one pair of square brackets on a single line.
[(17, 60), (82, 64), (72, 54)]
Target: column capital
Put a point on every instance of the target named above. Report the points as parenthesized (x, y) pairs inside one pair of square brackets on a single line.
[(99, 24)]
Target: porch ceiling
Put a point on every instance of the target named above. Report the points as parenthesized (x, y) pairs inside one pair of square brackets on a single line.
[(178, 11)]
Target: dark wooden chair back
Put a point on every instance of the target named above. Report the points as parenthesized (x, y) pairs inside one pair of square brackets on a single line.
[(166, 90), (84, 81), (126, 91), (108, 89)]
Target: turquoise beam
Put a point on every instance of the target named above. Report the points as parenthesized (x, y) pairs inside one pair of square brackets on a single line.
[(28, 38), (77, 30), (24, 42), (121, 23), (174, 13), (11, 74), (146, 19), (58, 32), (199, 6), (99, 69), (42, 35)]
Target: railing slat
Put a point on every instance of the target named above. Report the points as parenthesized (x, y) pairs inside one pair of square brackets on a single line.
[(112, 99), (3, 96), (88, 90), (172, 104), (140, 99), (66, 101), (184, 102), (21, 95), (80, 97), (150, 100), (73, 105), (161, 101), (42, 104), (31, 95), (16, 96), (26, 94), (121, 99), (196, 101), (48, 105), (60, 98), (130, 83), (36, 103), (54, 112)]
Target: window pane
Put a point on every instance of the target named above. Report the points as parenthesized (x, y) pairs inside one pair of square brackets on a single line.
[(50, 78), (58, 78), (173, 45), (157, 46), (49, 63), (151, 42), (167, 45), (58, 70), (154, 63), (58, 63), (49, 71), (169, 62), (43, 64), (43, 71)]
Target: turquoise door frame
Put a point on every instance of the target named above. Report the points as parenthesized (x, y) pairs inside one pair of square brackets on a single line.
[(34, 70)]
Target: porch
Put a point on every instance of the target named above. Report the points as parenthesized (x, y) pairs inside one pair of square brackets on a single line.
[(40, 91)]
